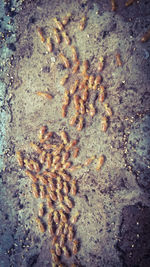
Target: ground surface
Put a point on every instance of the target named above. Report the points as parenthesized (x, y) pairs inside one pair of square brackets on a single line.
[(114, 206)]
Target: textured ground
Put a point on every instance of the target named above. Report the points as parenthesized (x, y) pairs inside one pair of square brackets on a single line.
[(114, 204)]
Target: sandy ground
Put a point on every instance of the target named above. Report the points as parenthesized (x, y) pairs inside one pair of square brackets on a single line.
[(114, 202)]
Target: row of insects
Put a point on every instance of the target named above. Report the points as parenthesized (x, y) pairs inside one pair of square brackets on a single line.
[(49, 168)]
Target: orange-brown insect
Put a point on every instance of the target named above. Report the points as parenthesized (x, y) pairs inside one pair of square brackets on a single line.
[(59, 230), (47, 137), (50, 174), (82, 107), (67, 165), (28, 165), (56, 159), (65, 228), (84, 95), (48, 162), (58, 150), (65, 157), (40, 225), (118, 60), (104, 124), (56, 36), (35, 191), (63, 217), (82, 23), (42, 132), (80, 124), (66, 252), (66, 98), (65, 188), (36, 166), (52, 194), (113, 5), (54, 240), (68, 202), (91, 81), (65, 208), (51, 229), (73, 189), (74, 87), (56, 217), (92, 110), (51, 184), (42, 179), (129, 2), (101, 63), (71, 144), (100, 162), (89, 161), (58, 24), (64, 79), (31, 176), (75, 247), (66, 19), (74, 168), (74, 54), (64, 60), (64, 110), (42, 191), (40, 33), (57, 249), (85, 67), (75, 152), (75, 67), (62, 240), (55, 258), (66, 38), (45, 95), (146, 36), (59, 183), (49, 202), (42, 157), (75, 217), (101, 94), (48, 146), (41, 210), (74, 119), (70, 233), (36, 148), (108, 110), (76, 99), (97, 81), (49, 45), (59, 195), (64, 137), (19, 158)]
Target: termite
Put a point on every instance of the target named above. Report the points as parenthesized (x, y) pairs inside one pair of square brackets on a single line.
[(56, 36), (91, 81), (65, 60), (19, 158), (42, 179), (56, 217), (74, 87), (42, 132), (73, 189), (49, 45), (65, 188), (65, 228), (52, 195), (54, 256), (51, 184), (66, 38), (49, 146), (59, 183), (101, 63), (75, 247), (62, 240), (71, 144), (63, 217), (108, 110), (74, 218), (66, 19), (85, 67), (82, 107), (40, 33), (82, 23), (28, 164), (42, 191), (97, 81), (66, 252), (51, 228), (101, 94), (89, 161), (36, 165), (65, 157), (79, 126), (42, 157), (40, 225), (65, 208), (74, 119), (84, 95), (92, 110), (56, 159), (75, 67), (68, 202), (45, 95), (100, 162), (50, 174), (35, 191), (57, 249), (70, 233), (36, 148), (67, 165), (59, 195), (58, 24), (64, 79), (59, 230), (129, 2), (46, 137), (66, 98), (113, 5), (74, 168), (54, 240), (41, 210), (104, 124), (118, 60), (64, 137), (76, 99), (74, 54), (75, 152), (146, 36), (64, 110), (49, 202), (58, 150), (31, 176), (57, 166), (48, 162)]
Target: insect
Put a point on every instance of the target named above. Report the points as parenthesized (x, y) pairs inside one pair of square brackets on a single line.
[(101, 94), (36, 166), (35, 191), (74, 119), (66, 98), (89, 161), (66, 228), (49, 202), (52, 194), (28, 165), (104, 124), (64, 79), (82, 23), (70, 233), (74, 87), (66, 252), (66, 19), (57, 249), (68, 202), (146, 36), (42, 157), (85, 67), (51, 229), (75, 67), (59, 195), (65, 188), (101, 63), (66, 38), (64, 137), (19, 158), (51, 184), (129, 2), (108, 110), (65, 157), (54, 240), (56, 217), (65, 176), (50, 174), (56, 36), (75, 218), (31, 176), (48, 162), (82, 107), (63, 217), (118, 60), (49, 45), (40, 225), (45, 95), (42, 132), (73, 189), (91, 81), (59, 230), (64, 60), (97, 81), (92, 110), (64, 110), (100, 162), (46, 137), (42, 191), (36, 148), (56, 159), (65, 208), (59, 183), (41, 210), (42, 179), (58, 150), (75, 247), (75, 152), (74, 54), (58, 24), (76, 99), (113, 5), (84, 95), (62, 240), (80, 124), (54, 256), (71, 144), (40, 33)]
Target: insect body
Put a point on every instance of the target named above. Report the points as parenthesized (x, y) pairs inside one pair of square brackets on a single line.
[(40, 33), (31, 176), (49, 45), (104, 124), (66, 19), (146, 36), (92, 110), (35, 191), (68, 202), (75, 247), (55, 258), (129, 2), (19, 158), (40, 224), (64, 60), (58, 249), (82, 23), (118, 60), (56, 36), (100, 162), (101, 64), (113, 5), (58, 24), (80, 124), (45, 95), (75, 67), (108, 110), (73, 189), (66, 252), (66, 38), (64, 79), (41, 210)]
